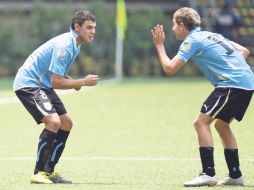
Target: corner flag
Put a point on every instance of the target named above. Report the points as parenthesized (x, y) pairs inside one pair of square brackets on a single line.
[(121, 18), (121, 25)]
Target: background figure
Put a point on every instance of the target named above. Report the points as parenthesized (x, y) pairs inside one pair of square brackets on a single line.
[(228, 22)]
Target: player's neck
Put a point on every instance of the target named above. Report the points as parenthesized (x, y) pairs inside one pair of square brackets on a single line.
[(79, 41)]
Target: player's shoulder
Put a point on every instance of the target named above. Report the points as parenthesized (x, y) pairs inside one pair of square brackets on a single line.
[(195, 39), (199, 36), (63, 44), (64, 40)]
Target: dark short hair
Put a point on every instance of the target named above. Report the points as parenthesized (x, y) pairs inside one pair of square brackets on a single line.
[(81, 16)]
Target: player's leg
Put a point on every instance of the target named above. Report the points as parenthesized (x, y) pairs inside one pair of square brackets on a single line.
[(231, 154), (59, 142), (202, 126), (226, 134), (59, 145), (235, 107), (207, 176), (38, 104), (46, 141), (60, 139), (45, 147), (210, 108)]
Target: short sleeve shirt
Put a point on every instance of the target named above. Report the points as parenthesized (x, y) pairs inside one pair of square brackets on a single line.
[(218, 60), (55, 56)]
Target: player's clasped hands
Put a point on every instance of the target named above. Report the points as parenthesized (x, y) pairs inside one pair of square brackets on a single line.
[(158, 34)]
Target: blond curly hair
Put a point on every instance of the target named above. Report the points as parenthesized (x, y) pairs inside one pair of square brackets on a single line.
[(188, 16)]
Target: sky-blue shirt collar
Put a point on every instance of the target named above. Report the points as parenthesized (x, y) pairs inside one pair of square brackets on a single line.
[(196, 29), (74, 35)]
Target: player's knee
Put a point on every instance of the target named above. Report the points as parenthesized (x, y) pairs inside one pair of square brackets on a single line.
[(216, 125), (66, 122), (197, 124), (219, 124), (52, 122), (53, 125), (67, 125)]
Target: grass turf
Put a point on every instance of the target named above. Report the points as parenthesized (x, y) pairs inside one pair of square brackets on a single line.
[(137, 134)]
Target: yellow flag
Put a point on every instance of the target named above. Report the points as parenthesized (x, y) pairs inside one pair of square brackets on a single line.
[(121, 18)]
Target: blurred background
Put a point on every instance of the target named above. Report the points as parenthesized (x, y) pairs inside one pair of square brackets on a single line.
[(26, 24)]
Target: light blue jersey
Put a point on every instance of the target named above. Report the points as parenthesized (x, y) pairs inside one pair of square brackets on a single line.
[(55, 56), (218, 60)]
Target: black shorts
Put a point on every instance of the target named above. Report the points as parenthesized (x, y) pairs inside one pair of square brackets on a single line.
[(40, 102), (227, 103)]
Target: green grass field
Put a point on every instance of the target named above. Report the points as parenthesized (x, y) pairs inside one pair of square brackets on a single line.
[(134, 135)]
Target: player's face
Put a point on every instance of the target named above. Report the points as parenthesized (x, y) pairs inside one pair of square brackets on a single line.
[(86, 31), (178, 30)]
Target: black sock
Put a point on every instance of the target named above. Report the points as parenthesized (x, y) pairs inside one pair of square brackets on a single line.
[(59, 144), (44, 149), (206, 155), (232, 159)]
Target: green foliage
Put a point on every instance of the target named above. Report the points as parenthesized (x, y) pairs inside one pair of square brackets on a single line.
[(23, 31), (99, 56), (9, 50)]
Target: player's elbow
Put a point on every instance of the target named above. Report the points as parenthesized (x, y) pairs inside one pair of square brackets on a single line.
[(57, 81), (56, 84), (169, 71), (246, 53)]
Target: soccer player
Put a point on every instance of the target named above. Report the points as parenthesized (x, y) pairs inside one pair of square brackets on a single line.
[(223, 64), (43, 71)]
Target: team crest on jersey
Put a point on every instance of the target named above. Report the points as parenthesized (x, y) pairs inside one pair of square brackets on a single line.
[(60, 54), (186, 46), (47, 106)]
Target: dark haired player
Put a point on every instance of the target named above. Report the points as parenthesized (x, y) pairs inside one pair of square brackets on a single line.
[(43, 71)]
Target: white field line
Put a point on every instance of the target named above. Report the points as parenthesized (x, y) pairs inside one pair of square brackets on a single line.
[(116, 159), (10, 100)]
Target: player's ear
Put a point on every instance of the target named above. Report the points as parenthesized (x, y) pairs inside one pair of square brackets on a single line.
[(76, 27), (181, 26)]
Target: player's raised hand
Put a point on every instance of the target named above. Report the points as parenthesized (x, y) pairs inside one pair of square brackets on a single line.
[(158, 34), (91, 80)]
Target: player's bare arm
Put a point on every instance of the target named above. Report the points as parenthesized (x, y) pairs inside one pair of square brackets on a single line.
[(60, 82), (244, 51), (68, 77), (170, 66)]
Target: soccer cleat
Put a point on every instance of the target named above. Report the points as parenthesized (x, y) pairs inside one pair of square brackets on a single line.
[(56, 178), (230, 181), (202, 180), (41, 178)]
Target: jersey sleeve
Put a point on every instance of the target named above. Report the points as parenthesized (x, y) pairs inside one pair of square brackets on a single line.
[(60, 60), (188, 49)]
